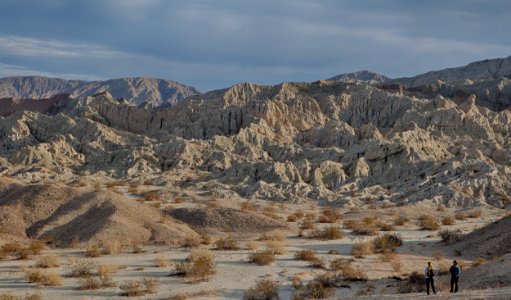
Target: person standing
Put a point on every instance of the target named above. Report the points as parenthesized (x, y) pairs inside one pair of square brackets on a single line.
[(455, 271), (430, 274)]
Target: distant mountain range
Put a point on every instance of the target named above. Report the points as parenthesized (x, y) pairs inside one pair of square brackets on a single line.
[(360, 75), (137, 90)]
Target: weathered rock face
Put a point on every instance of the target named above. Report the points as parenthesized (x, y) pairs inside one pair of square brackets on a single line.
[(346, 142), (360, 75), (137, 90)]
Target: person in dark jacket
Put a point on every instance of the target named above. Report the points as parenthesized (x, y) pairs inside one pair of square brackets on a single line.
[(455, 271), (430, 274)]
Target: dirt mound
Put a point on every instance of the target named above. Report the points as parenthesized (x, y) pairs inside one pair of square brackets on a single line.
[(64, 213), (224, 219), (491, 240), (492, 274)]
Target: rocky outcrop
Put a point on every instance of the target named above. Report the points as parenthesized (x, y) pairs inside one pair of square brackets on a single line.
[(360, 75)]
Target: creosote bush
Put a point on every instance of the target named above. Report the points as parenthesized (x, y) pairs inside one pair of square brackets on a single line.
[(264, 289), (360, 250), (48, 261), (427, 222), (42, 277), (387, 242), (450, 236), (448, 220), (198, 266), (263, 257), (227, 243), (327, 233), (134, 288), (306, 255)]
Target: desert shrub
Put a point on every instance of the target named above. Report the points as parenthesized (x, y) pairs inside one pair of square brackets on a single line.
[(305, 255), (11, 248), (330, 215), (277, 247), (133, 288), (247, 206), (36, 296), (199, 265), (320, 287), (264, 257), (292, 218), (299, 214), (252, 245), (112, 247), (161, 261), (89, 283), (327, 233), (152, 196), (387, 242), (36, 247), (386, 226), (460, 215), (23, 254), (275, 235), (264, 289), (478, 261), (396, 265), (333, 252), (427, 222), (438, 255), (474, 213), (191, 242), (42, 277), (415, 283), (339, 264), (48, 261), (105, 273), (227, 243), (350, 224), (93, 250), (448, 220), (362, 229), (359, 250), (401, 219), (81, 267), (270, 211), (317, 263), (450, 236), (352, 273), (307, 224)]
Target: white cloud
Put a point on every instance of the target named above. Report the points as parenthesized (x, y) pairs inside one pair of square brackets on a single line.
[(14, 70), (27, 46)]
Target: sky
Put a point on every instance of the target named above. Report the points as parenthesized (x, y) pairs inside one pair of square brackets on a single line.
[(213, 44)]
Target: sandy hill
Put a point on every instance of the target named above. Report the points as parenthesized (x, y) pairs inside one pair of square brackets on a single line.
[(136, 90), (63, 212), (360, 75)]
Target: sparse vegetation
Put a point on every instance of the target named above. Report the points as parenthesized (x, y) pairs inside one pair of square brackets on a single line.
[(450, 236), (161, 261), (401, 220), (427, 222), (263, 257), (81, 267), (42, 277), (448, 220), (227, 243), (306, 255), (198, 266), (478, 261), (277, 247), (360, 250), (48, 261), (327, 233), (329, 215), (133, 288), (387, 242), (93, 250), (264, 289)]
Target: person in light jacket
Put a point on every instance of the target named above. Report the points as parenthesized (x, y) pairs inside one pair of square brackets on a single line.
[(430, 274)]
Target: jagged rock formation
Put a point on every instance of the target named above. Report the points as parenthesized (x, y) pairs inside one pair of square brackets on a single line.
[(136, 90), (360, 75), (350, 143)]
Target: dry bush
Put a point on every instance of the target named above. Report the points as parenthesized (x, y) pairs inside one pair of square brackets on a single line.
[(93, 250), (81, 267), (460, 215), (359, 250), (299, 214), (152, 196), (193, 295), (327, 233), (427, 222), (474, 213), (42, 277), (133, 288), (450, 236), (350, 224), (191, 242), (478, 261), (448, 220), (247, 206), (112, 247), (414, 284), (48, 261), (317, 263), (137, 248), (322, 286), (396, 265), (275, 235), (89, 283), (438, 255), (292, 218), (264, 289), (198, 266), (161, 261), (306, 255), (252, 245), (387, 242), (36, 247), (401, 219), (23, 254), (227, 243), (386, 227), (10, 248), (339, 264), (352, 273), (307, 224), (263, 257), (270, 211), (387, 255), (277, 247), (330, 215), (75, 242), (333, 252)]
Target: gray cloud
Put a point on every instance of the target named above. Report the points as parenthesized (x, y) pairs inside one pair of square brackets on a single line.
[(215, 43)]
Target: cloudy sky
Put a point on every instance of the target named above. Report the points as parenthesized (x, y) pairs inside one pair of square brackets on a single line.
[(215, 43)]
